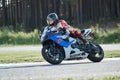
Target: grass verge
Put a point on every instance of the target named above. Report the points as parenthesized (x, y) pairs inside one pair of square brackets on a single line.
[(11, 37), (35, 56), (112, 54), (20, 56), (96, 78), (107, 78)]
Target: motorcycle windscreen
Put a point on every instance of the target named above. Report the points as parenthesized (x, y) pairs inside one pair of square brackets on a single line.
[(60, 41)]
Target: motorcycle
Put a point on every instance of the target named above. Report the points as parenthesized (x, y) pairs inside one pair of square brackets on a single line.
[(56, 48)]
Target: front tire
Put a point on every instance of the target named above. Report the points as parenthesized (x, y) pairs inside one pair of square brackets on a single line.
[(96, 56), (52, 58)]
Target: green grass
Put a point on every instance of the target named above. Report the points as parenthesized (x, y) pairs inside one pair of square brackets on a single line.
[(96, 78), (68, 79), (35, 56), (112, 78), (20, 56), (106, 78), (109, 36), (112, 54), (11, 37)]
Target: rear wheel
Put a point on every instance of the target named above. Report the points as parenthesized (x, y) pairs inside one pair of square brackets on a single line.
[(96, 55), (51, 55)]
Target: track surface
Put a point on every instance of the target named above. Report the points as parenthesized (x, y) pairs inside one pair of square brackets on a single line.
[(23, 48), (67, 69)]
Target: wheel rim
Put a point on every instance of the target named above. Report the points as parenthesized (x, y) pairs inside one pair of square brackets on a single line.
[(53, 56), (98, 53)]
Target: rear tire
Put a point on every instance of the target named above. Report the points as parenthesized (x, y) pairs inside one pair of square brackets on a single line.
[(92, 56), (49, 56)]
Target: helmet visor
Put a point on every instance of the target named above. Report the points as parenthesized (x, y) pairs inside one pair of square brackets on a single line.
[(49, 21)]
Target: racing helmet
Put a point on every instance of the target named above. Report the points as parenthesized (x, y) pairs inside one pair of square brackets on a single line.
[(52, 18)]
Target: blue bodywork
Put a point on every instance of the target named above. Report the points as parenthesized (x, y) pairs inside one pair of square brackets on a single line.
[(60, 41), (55, 37)]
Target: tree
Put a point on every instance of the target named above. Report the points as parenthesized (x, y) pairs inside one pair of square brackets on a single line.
[(32, 13), (5, 20)]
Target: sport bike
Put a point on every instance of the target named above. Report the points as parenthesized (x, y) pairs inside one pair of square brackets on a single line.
[(56, 48)]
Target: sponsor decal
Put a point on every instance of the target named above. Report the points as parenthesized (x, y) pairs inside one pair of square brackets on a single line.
[(59, 40)]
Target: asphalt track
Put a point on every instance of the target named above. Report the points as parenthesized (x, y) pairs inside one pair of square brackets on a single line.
[(78, 69)]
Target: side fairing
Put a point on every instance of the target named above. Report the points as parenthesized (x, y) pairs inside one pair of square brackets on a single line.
[(61, 41), (69, 49)]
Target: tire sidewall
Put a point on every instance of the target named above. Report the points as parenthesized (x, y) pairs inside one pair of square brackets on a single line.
[(93, 58), (44, 54)]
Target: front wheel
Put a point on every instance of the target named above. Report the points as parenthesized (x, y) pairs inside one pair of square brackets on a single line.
[(96, 55), (51, 56)]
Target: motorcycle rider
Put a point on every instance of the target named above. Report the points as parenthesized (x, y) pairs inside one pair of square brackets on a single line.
[(54, 24)]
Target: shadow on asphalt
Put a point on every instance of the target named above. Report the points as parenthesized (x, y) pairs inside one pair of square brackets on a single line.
[(44, 65)]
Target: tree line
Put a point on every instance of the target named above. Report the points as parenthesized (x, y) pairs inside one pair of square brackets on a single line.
[(31, 14)]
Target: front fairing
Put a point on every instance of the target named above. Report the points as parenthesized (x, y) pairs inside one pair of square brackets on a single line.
[(46, 35), (55, 37)]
